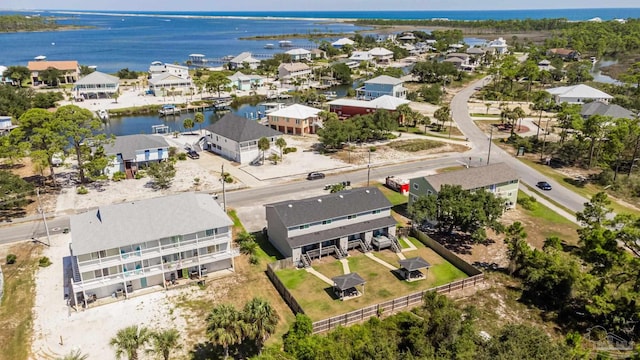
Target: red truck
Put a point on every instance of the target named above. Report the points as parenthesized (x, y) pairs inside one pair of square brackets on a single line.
[(397, 184)]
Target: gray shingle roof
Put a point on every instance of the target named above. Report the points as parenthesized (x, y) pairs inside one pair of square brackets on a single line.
[(97, 77), (347, 281), (384, 79), (343, 203), (241, 129), (473, 178), (128, 145), (414, 264), (342, 231), (600, 108), (133, 222)]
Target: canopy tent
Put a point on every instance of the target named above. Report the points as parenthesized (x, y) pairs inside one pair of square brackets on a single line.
[(410, 268), (345, 285)]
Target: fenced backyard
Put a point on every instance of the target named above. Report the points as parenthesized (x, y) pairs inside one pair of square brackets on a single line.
[(316, 296)]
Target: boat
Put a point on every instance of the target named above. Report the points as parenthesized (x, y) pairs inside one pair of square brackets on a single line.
[(103, 114), (169, 110), (40, 58), (285, 43), (269, 46), (330, 95)]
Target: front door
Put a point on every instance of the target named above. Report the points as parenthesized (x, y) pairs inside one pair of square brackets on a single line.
[(143, 283)]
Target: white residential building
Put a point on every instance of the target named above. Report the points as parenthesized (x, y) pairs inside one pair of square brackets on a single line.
[(578, 94), (168, 84), (96, 85), (239, 61), (289, 72), (299, 54), (499, 45), (153, 243), (158, 68), (338, 44), (130, 152), (381, 55)]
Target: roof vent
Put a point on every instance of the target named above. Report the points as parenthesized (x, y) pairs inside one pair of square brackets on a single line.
[(367, 191), (290, 205), (341, 196), (319, 200)]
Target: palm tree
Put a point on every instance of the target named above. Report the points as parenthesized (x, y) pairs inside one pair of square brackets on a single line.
[(188, 124), (443, 115), (263, 145), (75, 355), (281, 143), (164, 341), (261, 319), (225, 327), (128, 340), (198, 118)]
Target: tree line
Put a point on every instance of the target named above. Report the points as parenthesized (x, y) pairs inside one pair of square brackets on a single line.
[(16, 23)]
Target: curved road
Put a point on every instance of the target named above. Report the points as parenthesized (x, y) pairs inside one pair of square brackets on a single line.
[(460, 114)]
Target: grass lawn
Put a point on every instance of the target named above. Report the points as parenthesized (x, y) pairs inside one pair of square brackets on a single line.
[(16, 316), (318, 301), (587, 190), (542, 222), (393, 196)]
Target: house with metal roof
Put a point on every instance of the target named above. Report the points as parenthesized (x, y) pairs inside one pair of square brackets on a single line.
[(96, 85), (361, 56), (132, 247), (236, 138), (578, 94), (499, 179), (167, 84), (296, 119), (381, 55), (340, 43), (246, 82), (604, 109), (382, 85), (131, 152), (346, 108), (299, 54), (239, 61), (330, 224), (158, 67), (69, 70)]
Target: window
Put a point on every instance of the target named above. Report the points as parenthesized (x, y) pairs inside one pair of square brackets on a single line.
[(326, 222), (416, 186), (305, 226), (351, 217), (210, 232), (376, 211), (429, 192)]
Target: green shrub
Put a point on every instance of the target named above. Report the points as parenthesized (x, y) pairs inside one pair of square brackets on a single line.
[(173, 151), (289, 150), (372, 149), (118, 175), (254, 259), (82, 190), (182, 156), (140, 174), (44, 261), (528, 202), (11, 259), (228, 179)]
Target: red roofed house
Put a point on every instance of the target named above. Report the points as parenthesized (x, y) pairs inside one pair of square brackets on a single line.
[(70, 70), (346, 108)]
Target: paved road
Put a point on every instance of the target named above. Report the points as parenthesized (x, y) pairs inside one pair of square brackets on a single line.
[(460, 114)]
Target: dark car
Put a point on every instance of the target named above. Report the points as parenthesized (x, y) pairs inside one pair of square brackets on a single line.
[(543, 185), (193, 154), (315, 176)]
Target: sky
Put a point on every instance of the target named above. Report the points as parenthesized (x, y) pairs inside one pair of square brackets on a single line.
[(309, 5)]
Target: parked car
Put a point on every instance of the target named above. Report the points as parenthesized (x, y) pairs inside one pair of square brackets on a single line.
[(193, 154), (543, 185), (315, 176)]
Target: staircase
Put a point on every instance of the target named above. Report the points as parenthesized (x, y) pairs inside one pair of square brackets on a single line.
[(75, 269), (395, 245), (340, 254), (306, 260), (365, 248)]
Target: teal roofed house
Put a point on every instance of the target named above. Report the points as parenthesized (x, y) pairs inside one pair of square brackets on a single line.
[(500, 179)]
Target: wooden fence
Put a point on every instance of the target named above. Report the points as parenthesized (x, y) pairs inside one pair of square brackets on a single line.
[(445, 253), (392, 306), (282, 290)]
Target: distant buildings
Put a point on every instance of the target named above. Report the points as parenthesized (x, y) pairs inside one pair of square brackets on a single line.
[(381, 55), (340, 43), (346, 108), (499, 179), (604, 109), (382, 85), (564, 54), (499, 45), (69, 70), (578, 94)]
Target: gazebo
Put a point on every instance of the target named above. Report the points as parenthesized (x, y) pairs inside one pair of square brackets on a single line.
[(410, 268), (345, 285)]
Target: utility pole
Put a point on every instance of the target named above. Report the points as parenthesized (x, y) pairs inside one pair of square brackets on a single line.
[(544, 139), (44, 217), (490, 143), (369, 168), (224, 195)]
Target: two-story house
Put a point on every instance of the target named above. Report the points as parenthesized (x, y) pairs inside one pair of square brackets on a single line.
[(381, 55), (289, 72), (382, 85), (96, 85), (246, 82), (500, 179), (299, 54), (122, 248), (69, 70), (296, 119), (158, 68), (329, 224), (130, 152), (236, 138), (242, 60)]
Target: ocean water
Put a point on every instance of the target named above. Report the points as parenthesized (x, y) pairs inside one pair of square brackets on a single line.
[(135, 39)]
